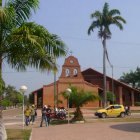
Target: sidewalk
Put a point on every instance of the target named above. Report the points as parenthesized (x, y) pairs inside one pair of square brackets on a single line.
[(92, 131)]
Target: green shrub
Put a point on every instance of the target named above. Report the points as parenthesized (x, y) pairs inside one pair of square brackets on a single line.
[(110, 97), (6, 103), (137, 103)]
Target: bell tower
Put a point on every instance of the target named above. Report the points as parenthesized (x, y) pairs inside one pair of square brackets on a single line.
[(71, 70)]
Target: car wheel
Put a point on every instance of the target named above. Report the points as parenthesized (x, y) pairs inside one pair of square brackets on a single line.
[(103, 115), (122, 115)]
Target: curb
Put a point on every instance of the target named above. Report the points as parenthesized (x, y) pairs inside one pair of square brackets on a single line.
[(78, 122), (30, 136)]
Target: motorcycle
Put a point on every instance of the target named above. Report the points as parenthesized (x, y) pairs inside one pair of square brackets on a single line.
[(127, 112)]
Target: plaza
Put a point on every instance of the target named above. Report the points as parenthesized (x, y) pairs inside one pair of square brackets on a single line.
[(94, 128)]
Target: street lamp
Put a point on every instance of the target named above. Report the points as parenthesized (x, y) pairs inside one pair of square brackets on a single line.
[(69, 91), (23, 89)]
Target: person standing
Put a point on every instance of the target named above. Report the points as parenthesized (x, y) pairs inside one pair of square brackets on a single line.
[(32, 114), (44, 117), (48, 114), (27, 113), (35, 111)]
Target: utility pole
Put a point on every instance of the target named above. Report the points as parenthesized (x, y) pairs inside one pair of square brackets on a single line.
[(54, 89), (112, 85)]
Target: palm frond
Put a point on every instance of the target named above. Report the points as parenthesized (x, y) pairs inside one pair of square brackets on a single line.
[(118, 24), (23, 8), (6, 14), (104, 20), (114, 12), (94, 24), (119, 18), (96, 14), (79, 97), (105, 9), (38, 47)]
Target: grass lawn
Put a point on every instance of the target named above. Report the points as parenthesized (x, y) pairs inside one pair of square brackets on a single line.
[(135, 111), (18, 134), (58, 122), (116, 120), (120, 120)]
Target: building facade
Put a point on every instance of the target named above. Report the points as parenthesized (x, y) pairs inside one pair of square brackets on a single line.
[(89, 80)]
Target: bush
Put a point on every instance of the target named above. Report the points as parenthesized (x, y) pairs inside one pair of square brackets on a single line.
[(110, 97), (137, 103)]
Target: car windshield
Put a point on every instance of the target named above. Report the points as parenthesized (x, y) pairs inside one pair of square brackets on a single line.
[(109, 107)]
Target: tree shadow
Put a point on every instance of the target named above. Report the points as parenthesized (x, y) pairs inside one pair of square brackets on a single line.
[(130, 127)]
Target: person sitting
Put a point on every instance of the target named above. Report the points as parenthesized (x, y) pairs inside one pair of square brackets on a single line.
[(126, 109), (58, 113), (112, 107), (63, 113)]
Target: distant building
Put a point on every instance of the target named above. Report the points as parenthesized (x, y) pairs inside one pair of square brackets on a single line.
[(89, 80)]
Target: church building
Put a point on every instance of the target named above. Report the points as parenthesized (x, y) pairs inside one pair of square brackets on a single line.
[(88, 80)]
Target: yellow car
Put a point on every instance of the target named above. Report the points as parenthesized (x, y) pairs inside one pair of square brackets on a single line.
[(111, 110)]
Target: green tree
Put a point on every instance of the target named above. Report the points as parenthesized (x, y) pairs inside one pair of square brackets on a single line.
[(26, 100), (31, 98), (102, 21), (25, 43), (5, 103), (78, 99), (111, 97), (10, 93), (132, 78)]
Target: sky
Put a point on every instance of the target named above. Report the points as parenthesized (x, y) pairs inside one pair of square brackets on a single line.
[(70, 19)]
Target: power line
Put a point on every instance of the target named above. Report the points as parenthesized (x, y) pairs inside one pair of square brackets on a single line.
[(116, 42), (10, 72)]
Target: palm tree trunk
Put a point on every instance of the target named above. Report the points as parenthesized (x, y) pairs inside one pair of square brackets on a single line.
[(1, 73), (104, 73), (78, 115), (3, 135), (0, 89)]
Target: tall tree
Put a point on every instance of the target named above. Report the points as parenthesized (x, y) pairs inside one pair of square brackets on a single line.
[(132, 78), (10, 93), (25, 43), (102, 21)]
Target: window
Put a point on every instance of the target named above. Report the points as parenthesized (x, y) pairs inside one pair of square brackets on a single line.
[(75, 72), (67, 72), (111, 107), (71, 61), (117, 107)]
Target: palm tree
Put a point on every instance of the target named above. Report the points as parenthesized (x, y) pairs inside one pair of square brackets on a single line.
[(102, 21), (25, 43), (78, 99)]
